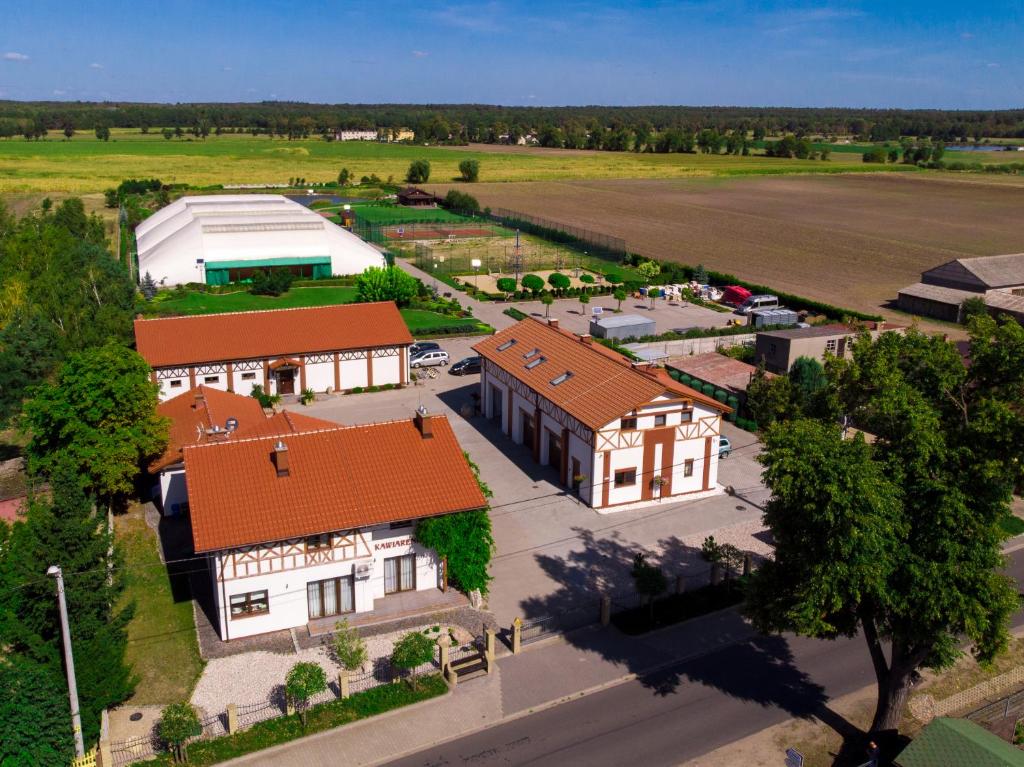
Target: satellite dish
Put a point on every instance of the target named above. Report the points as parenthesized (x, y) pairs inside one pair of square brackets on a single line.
[(231, 424), (346, 207)]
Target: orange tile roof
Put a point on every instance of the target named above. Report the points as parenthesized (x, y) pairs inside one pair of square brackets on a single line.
[(604, 385), (203, 338), (339, 478), (194, 413)]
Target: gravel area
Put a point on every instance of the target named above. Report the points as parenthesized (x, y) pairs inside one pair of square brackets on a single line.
[(255, 677)]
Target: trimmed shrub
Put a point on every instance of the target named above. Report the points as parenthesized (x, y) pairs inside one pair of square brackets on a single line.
[(532, 282), (558, 281), (587, 278), (721, 395), (673, 374)]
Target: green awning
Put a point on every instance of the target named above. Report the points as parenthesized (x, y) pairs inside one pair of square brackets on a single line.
[(956, 743), (258, 263)]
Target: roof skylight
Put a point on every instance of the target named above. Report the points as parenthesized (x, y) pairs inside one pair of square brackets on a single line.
[(535, 362), (507, 345), (529, 354), (562, 378)]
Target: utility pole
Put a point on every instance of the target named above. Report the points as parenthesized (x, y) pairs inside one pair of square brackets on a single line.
[(69, 661)]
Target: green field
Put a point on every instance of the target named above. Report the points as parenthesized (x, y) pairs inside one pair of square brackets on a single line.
[(386, 214), (86, 165), (419, 321)]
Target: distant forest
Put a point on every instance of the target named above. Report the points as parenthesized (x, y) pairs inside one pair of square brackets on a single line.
[(592, 127)]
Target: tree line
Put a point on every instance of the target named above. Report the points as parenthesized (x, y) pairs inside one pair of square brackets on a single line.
[(590, 127), (86, 408)]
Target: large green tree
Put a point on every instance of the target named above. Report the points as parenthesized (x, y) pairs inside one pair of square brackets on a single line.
[(99, 415), (28, 354), (386, 284), (900, 539), (35, 720)]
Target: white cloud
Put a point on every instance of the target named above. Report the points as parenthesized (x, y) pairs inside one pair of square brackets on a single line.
[(227, 69), (992, 65), (476, 18), (420, 54), (95, 65), (14, 56), (59, 92)]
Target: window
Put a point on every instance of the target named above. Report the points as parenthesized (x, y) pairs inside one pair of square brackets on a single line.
[(686, 416), (400, 574), (176, 383), (831, 345), (507, 345), (625, 478), (659, 420), (333, 596), (535, 362), (248, 376), (318, 542), (402, 523), (562, 378), (531, 353), (211, 379), (688, 467), (628, 424), (251, 603)]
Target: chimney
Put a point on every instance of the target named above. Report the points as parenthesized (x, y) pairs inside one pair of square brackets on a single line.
[(200, 399), (280, 459), (422, 421), (552, 322), (585, 339)]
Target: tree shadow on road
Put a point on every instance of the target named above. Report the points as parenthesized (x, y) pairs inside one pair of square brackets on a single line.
[(719, 651)]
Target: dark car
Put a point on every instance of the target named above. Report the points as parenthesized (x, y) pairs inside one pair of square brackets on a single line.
[(423, 346), (466, 366)]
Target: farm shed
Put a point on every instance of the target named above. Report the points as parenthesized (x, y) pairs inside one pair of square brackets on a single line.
[(978, 275), (936, 301), (415, 197), (779, 349), (622, 326), (222, 238)]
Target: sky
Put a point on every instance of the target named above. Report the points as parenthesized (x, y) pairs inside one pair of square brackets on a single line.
[(909, 54)]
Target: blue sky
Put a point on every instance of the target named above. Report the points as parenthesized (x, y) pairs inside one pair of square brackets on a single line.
[(895, 54)]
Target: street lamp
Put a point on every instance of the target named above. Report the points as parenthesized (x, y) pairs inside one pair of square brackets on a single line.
[(76, 718)]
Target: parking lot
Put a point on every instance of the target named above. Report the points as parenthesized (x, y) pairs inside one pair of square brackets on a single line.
[(554, 553)]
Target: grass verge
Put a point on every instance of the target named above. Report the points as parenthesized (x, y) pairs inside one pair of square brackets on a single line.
[(426, 323), (1012, 525), (324, 717), (195, 302), (162, 645), (679, 607)]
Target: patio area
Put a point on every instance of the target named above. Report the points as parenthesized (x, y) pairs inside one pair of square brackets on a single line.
[(394, 608)]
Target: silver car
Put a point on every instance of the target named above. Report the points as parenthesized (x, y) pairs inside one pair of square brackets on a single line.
[(429, 359)]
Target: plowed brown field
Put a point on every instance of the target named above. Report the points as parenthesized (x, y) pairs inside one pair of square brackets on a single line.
[(852, 240)]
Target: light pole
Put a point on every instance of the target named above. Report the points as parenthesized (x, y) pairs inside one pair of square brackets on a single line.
[(69, 661)]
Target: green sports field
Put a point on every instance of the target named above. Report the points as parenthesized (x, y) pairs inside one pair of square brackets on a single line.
[(86, 165), (383, 214)]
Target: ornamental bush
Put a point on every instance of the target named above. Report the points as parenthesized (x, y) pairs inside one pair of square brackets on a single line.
[(304, 680), (558, 281), (412, 651), (587, 278), (178, 723), (533, 283)]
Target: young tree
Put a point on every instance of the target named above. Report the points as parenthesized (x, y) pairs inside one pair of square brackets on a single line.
[(386, 284), (304, 680), (807, 383), (533, 283), (620, 296), (469, 170), (700, 275), (900, 539), (547, 299), (584, 300), (419, 172), (99, 414), (654, 294), (506, 285), (412, 651), (649, 270), (167, 133), (103, 132), (649, 580), (349, 648), (178, 723), (69, 130), (558, 281), (148, 287), (344, 176)]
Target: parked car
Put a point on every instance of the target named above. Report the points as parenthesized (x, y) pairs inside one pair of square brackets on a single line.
[(429, 359), (466, 366), (758, 302), (423, 346), (724, 447)]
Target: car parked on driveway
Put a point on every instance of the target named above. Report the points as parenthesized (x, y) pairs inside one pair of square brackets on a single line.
[(724, 447), (466, 366), (423, 346), (429, 359)]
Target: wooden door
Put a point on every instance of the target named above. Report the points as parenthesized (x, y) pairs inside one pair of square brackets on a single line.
[(286, 381)]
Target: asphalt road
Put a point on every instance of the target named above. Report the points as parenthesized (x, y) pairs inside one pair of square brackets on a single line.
[(682, 712)]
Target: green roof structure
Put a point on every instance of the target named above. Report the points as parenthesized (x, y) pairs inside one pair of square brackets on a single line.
[(958, 743)]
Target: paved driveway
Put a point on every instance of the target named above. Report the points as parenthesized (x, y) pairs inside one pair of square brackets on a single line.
[(553, 552)]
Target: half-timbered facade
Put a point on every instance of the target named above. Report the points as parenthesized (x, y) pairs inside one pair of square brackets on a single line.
[(285, 351), (616, 433), (313, 526)]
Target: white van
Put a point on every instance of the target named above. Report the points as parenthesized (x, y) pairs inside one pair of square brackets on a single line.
[(429, 359), (758, 302)]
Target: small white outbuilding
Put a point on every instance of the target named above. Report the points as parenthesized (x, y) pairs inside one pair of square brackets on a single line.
[(217, 239)]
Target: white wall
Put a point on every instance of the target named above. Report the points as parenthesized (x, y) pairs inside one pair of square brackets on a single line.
[(287, 589), (244, 385), (385, 371), (353, 373), (320, 375), (173, 491)]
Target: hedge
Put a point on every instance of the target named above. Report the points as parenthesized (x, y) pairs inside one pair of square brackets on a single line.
[(515, 313), (674, 374)]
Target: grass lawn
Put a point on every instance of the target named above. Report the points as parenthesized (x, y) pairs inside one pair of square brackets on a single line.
[(243, 301), (386, 214), (424, 323), (86, 164), (324, 717), (162, 646), (1013, 525)]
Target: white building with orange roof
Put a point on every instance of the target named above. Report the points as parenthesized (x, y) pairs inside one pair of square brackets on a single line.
[(204, 415), (616, 432), (286, 351), (302, 529)]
